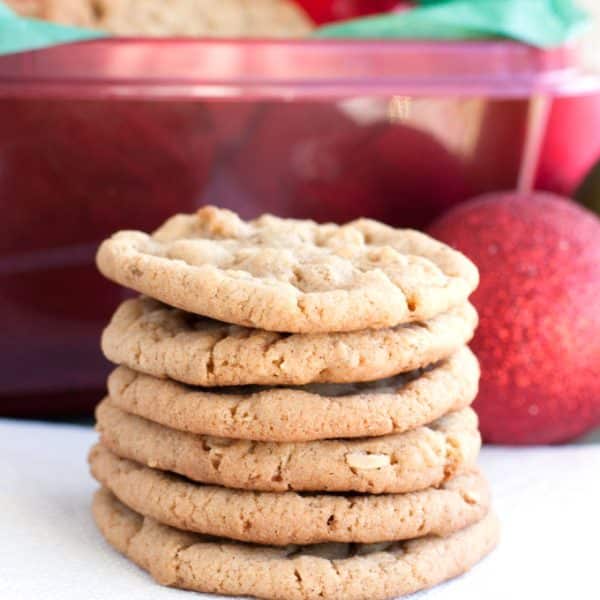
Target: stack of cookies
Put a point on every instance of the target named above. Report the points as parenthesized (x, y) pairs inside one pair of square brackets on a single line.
[(290, 414)]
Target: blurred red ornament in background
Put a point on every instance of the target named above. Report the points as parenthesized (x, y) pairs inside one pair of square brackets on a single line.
[(571, 144), (324, 11), (538, 301), (317, 162)]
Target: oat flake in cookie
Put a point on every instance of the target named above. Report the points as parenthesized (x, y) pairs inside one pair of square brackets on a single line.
[(289, 275)]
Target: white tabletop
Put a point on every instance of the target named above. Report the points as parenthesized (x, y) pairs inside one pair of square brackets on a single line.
[(548, 500)]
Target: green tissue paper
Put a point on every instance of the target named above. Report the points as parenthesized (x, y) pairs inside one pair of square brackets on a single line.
[(542, 23), (18, 34)]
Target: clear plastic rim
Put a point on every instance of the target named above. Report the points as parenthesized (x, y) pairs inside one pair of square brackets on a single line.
[(179, 68)]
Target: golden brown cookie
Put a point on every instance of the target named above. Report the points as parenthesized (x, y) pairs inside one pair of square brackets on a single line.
[(153, 338), (202, 18), (289, 275), (325, 571), (313, 412), (420, 458), (289, 517)]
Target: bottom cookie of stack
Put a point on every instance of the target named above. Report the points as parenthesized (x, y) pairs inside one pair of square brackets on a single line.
[(349, 571)]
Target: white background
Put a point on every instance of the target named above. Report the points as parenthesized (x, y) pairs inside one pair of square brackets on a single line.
[(548, 500)]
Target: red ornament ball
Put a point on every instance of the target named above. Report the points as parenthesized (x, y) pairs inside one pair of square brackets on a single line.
[(539, 304)]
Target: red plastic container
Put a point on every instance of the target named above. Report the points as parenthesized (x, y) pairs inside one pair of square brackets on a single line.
[(113, 134)]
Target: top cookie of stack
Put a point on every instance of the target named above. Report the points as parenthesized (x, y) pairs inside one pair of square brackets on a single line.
[(288, 275)]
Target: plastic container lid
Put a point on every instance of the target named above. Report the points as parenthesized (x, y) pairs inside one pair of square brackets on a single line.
[(252, 69)]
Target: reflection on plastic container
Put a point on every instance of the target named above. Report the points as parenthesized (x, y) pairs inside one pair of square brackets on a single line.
[(122, 133)]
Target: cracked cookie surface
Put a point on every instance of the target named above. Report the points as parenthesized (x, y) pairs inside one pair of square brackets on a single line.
[(312, 412), (289, 275), (326, 571), (410, 461), (153, 338), (289, 517)]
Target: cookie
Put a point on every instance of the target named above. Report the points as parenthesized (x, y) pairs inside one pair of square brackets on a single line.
[(156, 339), (325, 571), (313, 412), (289, 275), (205, 18), (291, 518), (420, 458)]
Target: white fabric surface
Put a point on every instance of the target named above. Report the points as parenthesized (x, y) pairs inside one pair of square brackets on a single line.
[(548, 500)]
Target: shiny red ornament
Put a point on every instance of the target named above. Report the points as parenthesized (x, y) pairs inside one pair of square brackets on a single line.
[(539, 306)]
